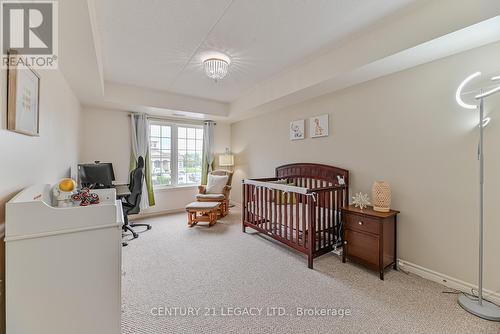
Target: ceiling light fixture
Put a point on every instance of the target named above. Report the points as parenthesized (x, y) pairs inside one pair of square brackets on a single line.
[(216, 66)]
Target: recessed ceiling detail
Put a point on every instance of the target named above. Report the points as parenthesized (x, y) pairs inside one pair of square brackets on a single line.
[(159, 44)]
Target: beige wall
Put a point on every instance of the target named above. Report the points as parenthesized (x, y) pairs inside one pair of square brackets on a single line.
[(405, 129), (45, 159), (28, 160), (106, 137)]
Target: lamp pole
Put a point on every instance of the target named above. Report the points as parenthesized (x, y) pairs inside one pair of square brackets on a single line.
[(479, 307), (481, 200)]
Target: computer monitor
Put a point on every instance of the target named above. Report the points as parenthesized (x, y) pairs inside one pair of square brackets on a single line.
[(97, 175)]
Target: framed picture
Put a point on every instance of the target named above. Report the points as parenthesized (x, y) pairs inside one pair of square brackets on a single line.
[(297, 129), (23, 99), (318, 126)]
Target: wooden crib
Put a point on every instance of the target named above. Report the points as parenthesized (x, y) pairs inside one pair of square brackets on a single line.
[(303, 197)]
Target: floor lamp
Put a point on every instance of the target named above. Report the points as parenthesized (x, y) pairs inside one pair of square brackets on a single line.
[(478, 306), (227, 160)]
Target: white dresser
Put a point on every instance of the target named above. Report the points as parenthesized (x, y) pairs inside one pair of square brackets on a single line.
[(63, 265)]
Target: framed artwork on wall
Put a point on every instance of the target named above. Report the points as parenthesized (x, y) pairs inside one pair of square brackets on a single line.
[(23, 99), (318, 126), (297, 129)]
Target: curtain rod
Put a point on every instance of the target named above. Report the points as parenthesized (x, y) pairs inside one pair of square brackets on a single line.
[(175, 120)]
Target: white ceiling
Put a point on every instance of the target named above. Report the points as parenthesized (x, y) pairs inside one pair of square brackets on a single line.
[(159, 43)]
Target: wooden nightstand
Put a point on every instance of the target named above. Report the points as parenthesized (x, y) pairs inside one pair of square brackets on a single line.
[(370, 237)]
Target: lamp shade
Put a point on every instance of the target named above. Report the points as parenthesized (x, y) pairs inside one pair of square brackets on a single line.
[(226, 159)]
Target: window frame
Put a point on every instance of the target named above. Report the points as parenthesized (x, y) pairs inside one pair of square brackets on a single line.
[(174, 145)]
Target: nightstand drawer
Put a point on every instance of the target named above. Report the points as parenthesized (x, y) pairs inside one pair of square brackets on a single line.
[(362, 223)]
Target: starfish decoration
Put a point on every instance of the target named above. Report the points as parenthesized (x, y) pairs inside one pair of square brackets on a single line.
[(360, 200)]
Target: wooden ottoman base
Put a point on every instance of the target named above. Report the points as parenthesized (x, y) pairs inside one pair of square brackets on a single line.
[(202, 212)]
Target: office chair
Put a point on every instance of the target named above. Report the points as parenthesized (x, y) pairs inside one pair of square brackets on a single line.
[(132, 201)]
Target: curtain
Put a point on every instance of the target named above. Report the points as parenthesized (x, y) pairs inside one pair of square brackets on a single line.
[(140, 147), (208, 150)]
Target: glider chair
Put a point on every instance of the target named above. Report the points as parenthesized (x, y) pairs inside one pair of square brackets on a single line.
[(217, 189)]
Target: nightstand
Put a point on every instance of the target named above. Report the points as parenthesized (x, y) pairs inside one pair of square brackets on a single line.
[(370, 237)]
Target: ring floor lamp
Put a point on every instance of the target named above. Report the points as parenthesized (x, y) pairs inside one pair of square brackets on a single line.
[(478, 306)]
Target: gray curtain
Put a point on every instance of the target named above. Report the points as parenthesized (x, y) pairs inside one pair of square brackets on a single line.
[(140, 147)]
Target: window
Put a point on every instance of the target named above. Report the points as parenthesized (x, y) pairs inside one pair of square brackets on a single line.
[(176, 154)]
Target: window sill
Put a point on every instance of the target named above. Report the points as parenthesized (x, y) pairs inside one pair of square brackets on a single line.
[(175, 188)]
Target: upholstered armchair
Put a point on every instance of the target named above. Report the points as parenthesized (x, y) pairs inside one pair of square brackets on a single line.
[(222, 197)]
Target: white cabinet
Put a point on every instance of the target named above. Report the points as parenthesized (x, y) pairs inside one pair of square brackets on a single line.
[(63, 265)]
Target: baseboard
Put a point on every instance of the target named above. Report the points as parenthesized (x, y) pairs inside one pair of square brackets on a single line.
[(166, 212), (446, 280), (155, 214)]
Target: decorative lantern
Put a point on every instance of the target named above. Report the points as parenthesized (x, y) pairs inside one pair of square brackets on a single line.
[(381, 196)]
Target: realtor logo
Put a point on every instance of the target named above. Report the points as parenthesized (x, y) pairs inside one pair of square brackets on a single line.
[(29, 28)]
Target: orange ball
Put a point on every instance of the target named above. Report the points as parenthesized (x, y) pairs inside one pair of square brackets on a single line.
[(67, 185)]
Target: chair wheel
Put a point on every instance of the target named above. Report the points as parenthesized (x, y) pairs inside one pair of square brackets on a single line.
[(135, 235), (150, 227), (124, 244)]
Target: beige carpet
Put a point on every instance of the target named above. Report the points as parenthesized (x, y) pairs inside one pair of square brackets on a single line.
[(225, 272)]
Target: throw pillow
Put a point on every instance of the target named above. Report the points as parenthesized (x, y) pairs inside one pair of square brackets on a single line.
[(216, 184)]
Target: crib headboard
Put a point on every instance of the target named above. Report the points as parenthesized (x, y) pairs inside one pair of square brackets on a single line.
[(313, 171)]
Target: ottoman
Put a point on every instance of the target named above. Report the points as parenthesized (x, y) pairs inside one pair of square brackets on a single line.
[(202, 212)]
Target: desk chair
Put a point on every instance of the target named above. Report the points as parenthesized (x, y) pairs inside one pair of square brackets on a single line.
[(131, 202)]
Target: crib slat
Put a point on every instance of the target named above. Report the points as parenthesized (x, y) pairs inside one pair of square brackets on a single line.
[(290, 216), (321, 211), (272, 203), (318, 221), (329, 218), (256, 196), (244, 206), (251, 194), (321, 215), (337, 212), (325, 210), (311, 230), (264, 221), (248, 201), (335, 219), (284, 206), (326, 214), (275, 214), (280, 213), (257, 206), (252, 199), (290, 197), (266, 201), (268, 210), (304, 219), (260, 206), (297, 219)]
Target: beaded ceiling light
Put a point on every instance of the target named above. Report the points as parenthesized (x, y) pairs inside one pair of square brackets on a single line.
[(216, 66)]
